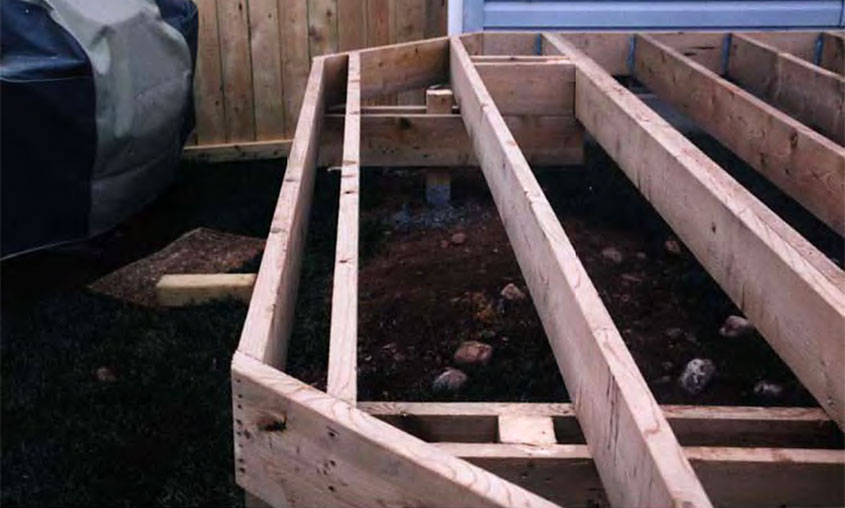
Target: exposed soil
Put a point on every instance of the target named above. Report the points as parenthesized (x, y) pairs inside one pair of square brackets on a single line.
[(421, 295)]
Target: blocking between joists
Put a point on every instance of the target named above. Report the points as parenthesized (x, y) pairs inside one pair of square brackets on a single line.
[(343, 335)]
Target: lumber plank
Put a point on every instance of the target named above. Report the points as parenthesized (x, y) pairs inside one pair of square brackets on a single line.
[(380, 30), (439, 102), (833, 52), (176, 290), (322, 27), (298, 446), (270, 314), (229, 152), (208, 79), (351, 24), (442, 141), (408, 139), (405, 66), (475, 422), (810, 94), (637, 454), (265, 48), (438, 183), (799, 43), (343, 333), (238, 102), (530, 430), (410, 26), (734, 477), (790, 291), (530, 88), (804, 164), (293, 23)]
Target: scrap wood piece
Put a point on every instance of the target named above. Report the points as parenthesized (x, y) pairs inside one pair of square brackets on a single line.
[(176, 290), (201, 250)]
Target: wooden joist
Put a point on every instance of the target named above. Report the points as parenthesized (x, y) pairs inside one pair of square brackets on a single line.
[(476, 422), (804, 164), (638, 457), (790, 291), (808, 93), (734, 477), (833, 52), (298, 446), (176, 290), (270, 315), (530, 88), (343, 334)]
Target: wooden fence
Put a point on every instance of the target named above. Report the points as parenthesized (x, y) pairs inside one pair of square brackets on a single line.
[(254, 56)]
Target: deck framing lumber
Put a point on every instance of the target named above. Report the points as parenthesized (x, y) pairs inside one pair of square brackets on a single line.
[(762, 264), (176, 290), (638, 457), (804, 164), (503, 101), (343, 334), (810, 94)]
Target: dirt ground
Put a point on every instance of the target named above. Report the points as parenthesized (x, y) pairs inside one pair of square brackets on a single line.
[(421, 295)]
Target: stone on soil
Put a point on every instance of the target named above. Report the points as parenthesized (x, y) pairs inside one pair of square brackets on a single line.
[(697, 375), (473, 352), (673, 247), (450, 380), (459, 238), (512, 293), (612, 254), (768, 389), (735, 327)]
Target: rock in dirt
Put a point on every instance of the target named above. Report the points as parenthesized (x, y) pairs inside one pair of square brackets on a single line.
[(473, 352), (512, 293), (612, 254), (105, 375), (673, 247), (768, 390), (451, 380), (736, 327), (458, 238), (675, 333), (487, 334), (697, 375)]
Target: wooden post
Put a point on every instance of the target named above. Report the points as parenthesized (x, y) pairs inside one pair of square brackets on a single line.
[(438, 183)]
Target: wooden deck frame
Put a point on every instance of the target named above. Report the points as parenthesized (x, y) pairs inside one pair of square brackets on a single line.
[(298, 446)]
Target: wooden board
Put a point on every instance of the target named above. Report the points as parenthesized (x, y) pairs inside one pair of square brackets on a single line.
[(293, 19), (232, 16), (270, 315), (766, 268), (208, 78), (810, 94), (530, 88), (297, 446), (322, 27), (177, 290), (475, 422), (833, 52), (804, 164), (265, 50), (402, 67), (352, 24), (228, 152), (343, 334), (636, 453), (734, 477)]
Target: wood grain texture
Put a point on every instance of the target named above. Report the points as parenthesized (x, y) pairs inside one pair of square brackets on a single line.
[(636, 453), (176, 290), (238, 104), (810, 94), (833, 52), (804, 164), (766, 268), (734, 477), (208, 78), (441, 140), (270, 315), (297, 446), (265, 47), (410, 25), (322, 27), (745, 426), (227, 152), (351, 24), (406, 66), (343, 333), (530, 430), (530, 88), (293, 22)]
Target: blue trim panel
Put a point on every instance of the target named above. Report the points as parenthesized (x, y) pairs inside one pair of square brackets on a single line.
[(661, 14), (473, 15)]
